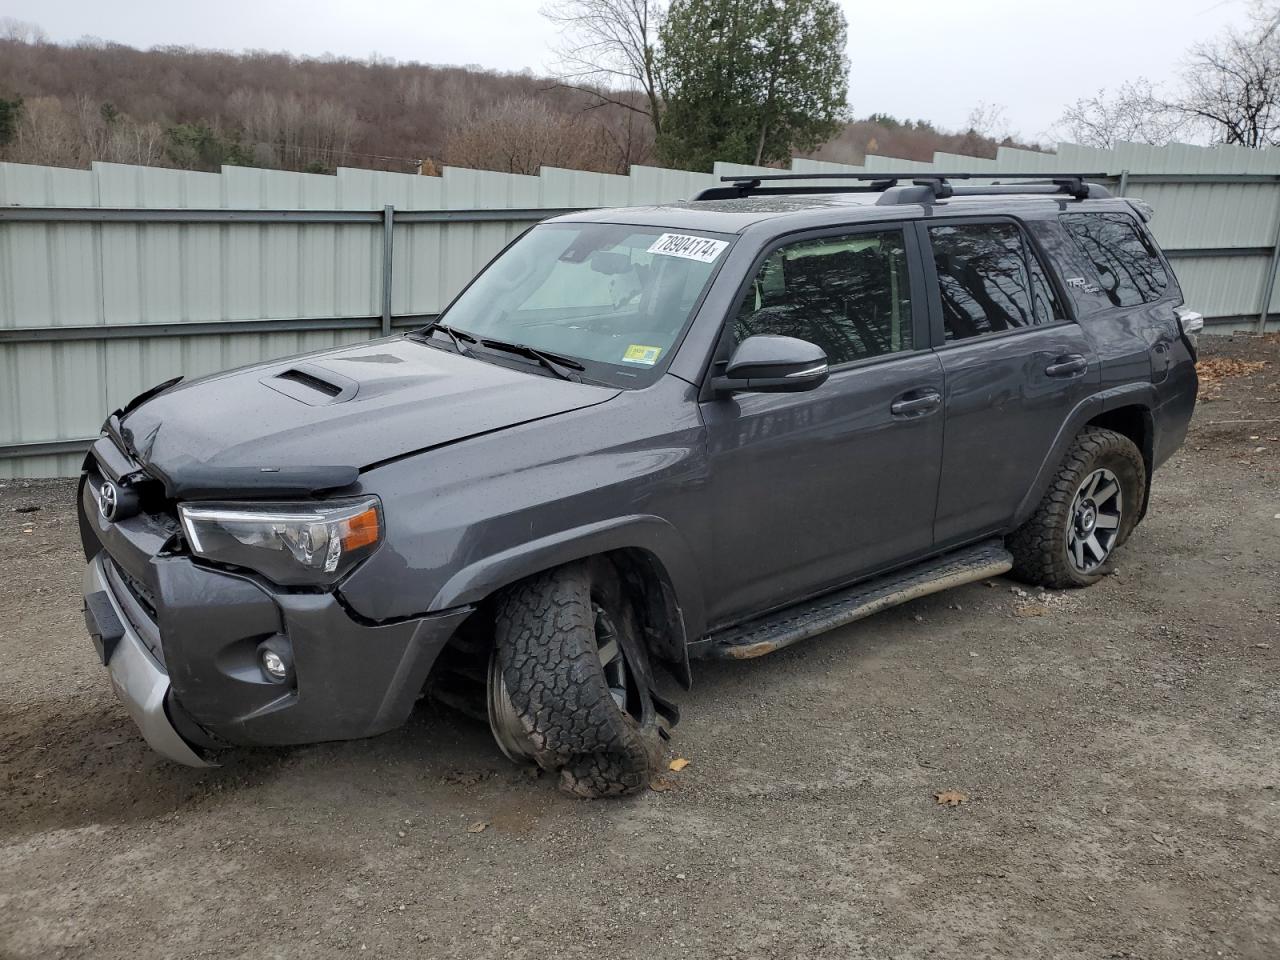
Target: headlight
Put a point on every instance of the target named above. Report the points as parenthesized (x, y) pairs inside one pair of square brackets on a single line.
[(288, 543)]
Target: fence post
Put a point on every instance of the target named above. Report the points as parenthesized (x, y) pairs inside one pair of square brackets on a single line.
[(1269, 286), (388, 228), (1124, 182)]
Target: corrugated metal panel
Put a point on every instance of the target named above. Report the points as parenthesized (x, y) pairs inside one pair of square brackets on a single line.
[(1212, 214), (1222, 286)]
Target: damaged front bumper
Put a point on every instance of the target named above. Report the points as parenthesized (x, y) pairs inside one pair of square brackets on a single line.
[(182, 642), (138, 679)]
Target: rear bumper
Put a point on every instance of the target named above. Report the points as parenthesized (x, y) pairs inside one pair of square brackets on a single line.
[(139, 681)]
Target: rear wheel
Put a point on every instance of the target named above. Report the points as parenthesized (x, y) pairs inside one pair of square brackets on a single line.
[(1090, 508), (570, 682)]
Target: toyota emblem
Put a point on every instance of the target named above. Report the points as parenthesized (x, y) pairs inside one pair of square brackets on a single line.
[(108, 501)]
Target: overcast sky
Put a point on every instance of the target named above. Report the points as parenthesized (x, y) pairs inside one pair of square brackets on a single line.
[(912, 58)]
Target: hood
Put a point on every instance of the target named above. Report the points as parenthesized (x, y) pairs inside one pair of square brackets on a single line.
[(336, 411)]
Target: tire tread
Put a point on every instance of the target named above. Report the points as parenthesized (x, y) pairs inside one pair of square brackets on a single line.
[(1039, 545), (545, 635)]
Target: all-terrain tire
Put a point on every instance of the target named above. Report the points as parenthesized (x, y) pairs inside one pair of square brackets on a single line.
[(545, 641), (1040, 546)]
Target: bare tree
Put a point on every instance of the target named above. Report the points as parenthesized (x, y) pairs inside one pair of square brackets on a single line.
[(20, 31), (74, 135), (1133, 114), (292, 131), (608, 49), (1230, 92), (1233, 83), (989, 121), (521, 135)]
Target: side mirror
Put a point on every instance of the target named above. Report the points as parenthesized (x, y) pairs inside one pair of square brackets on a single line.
[(768, 364)]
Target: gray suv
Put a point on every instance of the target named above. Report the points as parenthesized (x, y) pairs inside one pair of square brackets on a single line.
[(639, 437)]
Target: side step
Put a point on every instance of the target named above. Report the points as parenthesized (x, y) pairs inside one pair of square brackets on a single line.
[(784, 627)]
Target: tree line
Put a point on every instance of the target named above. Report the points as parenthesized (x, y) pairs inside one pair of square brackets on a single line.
[(637, 81)]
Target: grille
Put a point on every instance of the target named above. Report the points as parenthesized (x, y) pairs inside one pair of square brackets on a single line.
[(138, 605), (141, 594)]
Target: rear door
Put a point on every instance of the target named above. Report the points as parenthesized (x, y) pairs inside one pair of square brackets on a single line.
[(1014, 367), (814, 489)]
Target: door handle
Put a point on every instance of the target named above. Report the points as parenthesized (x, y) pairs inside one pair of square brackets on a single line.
[(1067, 366), (907, 406)]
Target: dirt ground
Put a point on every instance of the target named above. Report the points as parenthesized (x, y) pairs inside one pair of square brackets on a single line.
[(1119, 749)]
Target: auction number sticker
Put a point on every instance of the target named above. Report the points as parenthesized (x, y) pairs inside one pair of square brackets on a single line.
[(702, 249)]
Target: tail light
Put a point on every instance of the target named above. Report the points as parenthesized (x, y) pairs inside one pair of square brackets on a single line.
[(1191, 323)]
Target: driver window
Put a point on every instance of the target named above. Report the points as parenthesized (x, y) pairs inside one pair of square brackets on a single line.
[(850, 295)]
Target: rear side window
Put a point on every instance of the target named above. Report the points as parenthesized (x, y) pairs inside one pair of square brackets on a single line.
[(1129, 270), (989, 280), (850, 295)]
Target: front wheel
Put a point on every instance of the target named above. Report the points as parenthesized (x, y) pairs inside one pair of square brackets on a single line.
[(1090, 508), (570, 686)]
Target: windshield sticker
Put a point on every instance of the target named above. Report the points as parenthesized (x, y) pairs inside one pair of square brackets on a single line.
[(638, 354), (702, 249)]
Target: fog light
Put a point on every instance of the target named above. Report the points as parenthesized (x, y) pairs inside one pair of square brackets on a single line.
[(273, 665)]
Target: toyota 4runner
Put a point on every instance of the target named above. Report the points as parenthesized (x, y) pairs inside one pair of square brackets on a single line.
[(640, 436)]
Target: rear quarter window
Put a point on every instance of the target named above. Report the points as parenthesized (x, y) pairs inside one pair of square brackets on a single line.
[(1130, 271)]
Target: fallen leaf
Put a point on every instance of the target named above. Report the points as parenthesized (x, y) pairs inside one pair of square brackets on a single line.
[(1216, 369), (478, 827), (950, 798), (678, 764), (661, 784)]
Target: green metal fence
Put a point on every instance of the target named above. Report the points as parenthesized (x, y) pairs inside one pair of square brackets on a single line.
[(118, 277)]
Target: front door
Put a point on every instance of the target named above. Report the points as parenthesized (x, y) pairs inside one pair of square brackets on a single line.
[(1015, 367), (814, 489)]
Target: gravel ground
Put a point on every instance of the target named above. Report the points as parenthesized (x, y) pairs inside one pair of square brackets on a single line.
[(1117, 748)]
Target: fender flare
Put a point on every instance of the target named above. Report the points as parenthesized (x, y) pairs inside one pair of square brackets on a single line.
[(1128, 395), (646, 532)]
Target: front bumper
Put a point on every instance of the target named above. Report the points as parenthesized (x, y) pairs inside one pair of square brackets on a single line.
[(139, 681), (186, 660)]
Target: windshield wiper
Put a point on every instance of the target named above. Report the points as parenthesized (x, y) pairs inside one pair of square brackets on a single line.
[(457, 336), (562, 367)]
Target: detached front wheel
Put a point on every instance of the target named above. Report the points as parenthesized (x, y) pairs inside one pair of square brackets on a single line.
[(1090, 508), (570, 686)]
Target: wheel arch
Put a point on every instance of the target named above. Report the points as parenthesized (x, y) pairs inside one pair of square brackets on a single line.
[(1137, 422), (649, 554), (1134, 421), (1125, 408)]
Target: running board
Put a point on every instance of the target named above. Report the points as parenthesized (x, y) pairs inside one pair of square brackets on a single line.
[(774, 631)]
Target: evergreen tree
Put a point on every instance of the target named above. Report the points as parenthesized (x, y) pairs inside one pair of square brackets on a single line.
[(750, 81)]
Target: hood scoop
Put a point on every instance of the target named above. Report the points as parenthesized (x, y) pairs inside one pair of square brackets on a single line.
[(312, 385)]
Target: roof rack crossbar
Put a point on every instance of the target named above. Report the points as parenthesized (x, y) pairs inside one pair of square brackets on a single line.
[(762, 184)]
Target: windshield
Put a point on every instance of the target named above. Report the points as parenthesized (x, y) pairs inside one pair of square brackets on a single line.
[(612, 296)]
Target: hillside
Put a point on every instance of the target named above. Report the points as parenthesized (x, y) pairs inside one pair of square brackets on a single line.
[(177, 106)]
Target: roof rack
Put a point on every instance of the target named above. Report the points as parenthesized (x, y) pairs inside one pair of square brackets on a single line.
[(929, 186)]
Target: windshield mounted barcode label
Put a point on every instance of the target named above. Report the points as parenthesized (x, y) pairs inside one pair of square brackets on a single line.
[(702, 249)]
